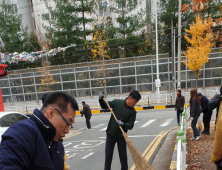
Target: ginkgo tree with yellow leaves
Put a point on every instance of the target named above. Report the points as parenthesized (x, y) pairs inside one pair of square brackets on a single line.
[(199, 35), (46, 79), (99, 48)]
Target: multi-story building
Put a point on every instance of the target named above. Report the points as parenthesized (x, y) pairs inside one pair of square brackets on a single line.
[(24, 8)]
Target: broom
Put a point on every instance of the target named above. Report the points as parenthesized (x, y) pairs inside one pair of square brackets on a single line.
[(139, 161)]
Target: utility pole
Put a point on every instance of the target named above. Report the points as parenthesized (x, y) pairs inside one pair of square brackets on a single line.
[(172, 52), (148, 14), (179, 46), (157, 60), (174, 58)]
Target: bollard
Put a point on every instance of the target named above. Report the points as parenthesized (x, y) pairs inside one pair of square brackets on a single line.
[(26, 111), (171, 99), (148, 101)]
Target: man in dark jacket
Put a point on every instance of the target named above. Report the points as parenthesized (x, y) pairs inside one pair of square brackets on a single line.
[(34, 144), (180, 101), (87, 113), (206, 113), (215, 102), (126, 115)]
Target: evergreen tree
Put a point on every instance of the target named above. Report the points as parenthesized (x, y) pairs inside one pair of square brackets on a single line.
[(68, 20), (67, 25), (168, 15), (12, 31), (130, 21)]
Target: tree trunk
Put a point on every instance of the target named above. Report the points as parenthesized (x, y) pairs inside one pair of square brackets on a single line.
[(197, 76)]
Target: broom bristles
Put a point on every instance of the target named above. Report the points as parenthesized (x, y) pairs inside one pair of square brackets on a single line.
[(138, 159)]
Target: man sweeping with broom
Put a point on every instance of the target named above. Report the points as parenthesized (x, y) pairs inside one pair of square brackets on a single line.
[(126, 115)]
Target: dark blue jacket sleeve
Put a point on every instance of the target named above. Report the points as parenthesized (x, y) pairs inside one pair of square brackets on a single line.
[(204, 106), (213, 102), (16, 147)]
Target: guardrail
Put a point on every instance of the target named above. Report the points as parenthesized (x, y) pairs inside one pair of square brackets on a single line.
[(181, 142)]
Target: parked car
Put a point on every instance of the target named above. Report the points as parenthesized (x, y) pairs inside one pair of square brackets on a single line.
[(9, 118)]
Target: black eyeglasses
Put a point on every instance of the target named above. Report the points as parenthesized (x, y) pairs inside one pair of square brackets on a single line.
[(68, 125)]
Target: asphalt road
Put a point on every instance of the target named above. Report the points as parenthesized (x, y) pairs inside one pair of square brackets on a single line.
[(86, 148)]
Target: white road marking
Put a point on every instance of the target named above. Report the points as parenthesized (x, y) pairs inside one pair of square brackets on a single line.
[(136, 121), (83, 144), (103, 129), (87, 155), (135, 136), (72, 155), (148, 123), (167, 122), (98, 126), (67, 144)]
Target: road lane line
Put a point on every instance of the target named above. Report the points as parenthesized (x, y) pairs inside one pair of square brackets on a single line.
[(67, 144), (71, 155), (98, 125), (87, 155), (167, 122), (149, 154), (103, 129), (157, 141), (72, 135), (147, 149), (148, 123), (135, 136)]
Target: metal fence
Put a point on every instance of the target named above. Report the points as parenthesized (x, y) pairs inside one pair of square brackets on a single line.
[(121, 76)]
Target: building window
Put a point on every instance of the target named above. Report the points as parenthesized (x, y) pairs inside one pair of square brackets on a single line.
[(45, 16), (103, 9), (133, 23), (121, 26)]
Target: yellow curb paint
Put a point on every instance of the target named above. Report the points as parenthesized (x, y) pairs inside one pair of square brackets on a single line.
[(154, 147), (158, 137), (147, 149), (175, 147), (138, 108), (95, 111), (173, 165), (150, 153), (159, 107), (72, 135)]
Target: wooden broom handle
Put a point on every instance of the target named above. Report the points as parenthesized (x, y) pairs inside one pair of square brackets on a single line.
[(113, 114)]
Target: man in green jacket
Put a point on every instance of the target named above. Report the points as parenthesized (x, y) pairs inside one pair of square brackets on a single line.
[(126, 115)]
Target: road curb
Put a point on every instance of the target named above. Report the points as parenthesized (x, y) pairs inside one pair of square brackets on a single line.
[(165, 151), (136, 108)]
